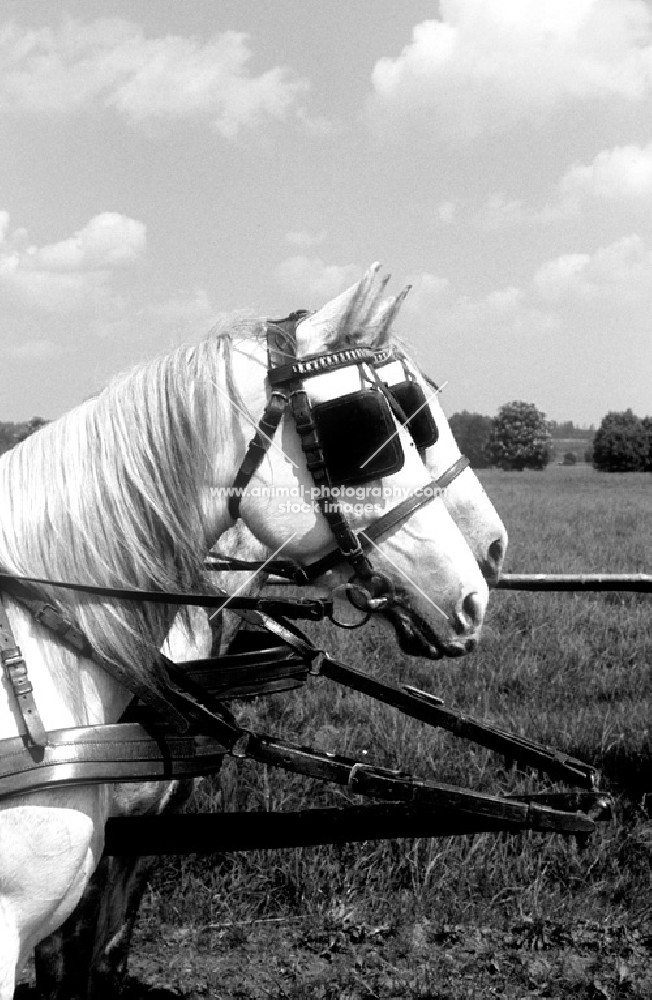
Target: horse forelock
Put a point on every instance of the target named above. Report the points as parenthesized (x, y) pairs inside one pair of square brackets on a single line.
[(111, 495)]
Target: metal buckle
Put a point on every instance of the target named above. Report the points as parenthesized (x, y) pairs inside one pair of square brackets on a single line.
[(48, 616), (16, 669), (11, 655)]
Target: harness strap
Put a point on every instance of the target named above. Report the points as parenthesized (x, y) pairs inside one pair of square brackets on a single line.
[(15, 670), (315, 609), (281, 344), (348, 542), (319, 364), (171, 695), (101, 754), (258, 448), (413, 503), (447, 477), (395, 516), (119, 752), (306, 574), (428, 709)]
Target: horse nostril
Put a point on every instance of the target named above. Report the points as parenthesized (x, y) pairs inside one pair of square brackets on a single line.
[(469, 614), (497, 551), (492, 564), (474, 607)]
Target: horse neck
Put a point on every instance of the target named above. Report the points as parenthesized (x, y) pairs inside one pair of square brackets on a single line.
[(111, 496), (240, 543)]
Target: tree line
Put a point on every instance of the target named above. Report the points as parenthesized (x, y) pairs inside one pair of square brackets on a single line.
[(519, 437), (13, 433)]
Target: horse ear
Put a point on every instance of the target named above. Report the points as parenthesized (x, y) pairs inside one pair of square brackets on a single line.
[(341, 321), (382, 320)]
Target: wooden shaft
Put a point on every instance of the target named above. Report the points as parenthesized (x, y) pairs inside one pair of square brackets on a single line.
[(234, 832)]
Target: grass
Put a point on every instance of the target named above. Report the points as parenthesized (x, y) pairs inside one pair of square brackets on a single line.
[(571, 670)]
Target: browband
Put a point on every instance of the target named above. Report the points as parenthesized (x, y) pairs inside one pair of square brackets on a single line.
[(319, 364)]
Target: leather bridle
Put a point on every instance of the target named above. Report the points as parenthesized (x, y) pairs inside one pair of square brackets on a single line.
[(369, 590)]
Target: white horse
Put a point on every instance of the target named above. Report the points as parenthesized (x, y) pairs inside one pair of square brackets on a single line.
[(130, 490), (87, 958)]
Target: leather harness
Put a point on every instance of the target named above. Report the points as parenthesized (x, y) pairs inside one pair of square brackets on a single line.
[(183, 701)]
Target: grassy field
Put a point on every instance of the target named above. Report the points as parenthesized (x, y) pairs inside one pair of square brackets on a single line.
[(571, 670)]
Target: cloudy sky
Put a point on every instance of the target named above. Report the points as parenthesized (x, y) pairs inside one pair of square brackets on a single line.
[(162, 163)]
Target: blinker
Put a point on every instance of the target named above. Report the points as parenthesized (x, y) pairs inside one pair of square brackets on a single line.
[(420, 421), (357, 436), (411, 398)]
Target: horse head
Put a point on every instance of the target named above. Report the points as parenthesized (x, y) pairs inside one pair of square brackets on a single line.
[(420, 562)]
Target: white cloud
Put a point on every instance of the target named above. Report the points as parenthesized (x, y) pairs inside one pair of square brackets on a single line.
[(305, 240), (619, 173), (110, 63), (446, 211), (426, 293), (615, 273), (108, 240), (314, 282), (74, 273), (499, 212), (558, 277), (505, 300), (609, 289), (489, 63)]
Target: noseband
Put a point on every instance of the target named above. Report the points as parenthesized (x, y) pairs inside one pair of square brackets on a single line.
[(368, 590)]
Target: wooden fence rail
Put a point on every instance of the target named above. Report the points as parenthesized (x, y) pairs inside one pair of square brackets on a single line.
[(580, 582)]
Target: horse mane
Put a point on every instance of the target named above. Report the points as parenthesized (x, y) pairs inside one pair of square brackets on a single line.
[(110, 494)]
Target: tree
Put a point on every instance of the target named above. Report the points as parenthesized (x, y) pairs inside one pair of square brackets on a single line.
[(520, 438), (12, 434), (647, 424), (570, 458), (561, 428), (621, 443), (472, 432)]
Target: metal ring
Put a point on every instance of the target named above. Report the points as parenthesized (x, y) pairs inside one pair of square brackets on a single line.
[(342, 624)]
